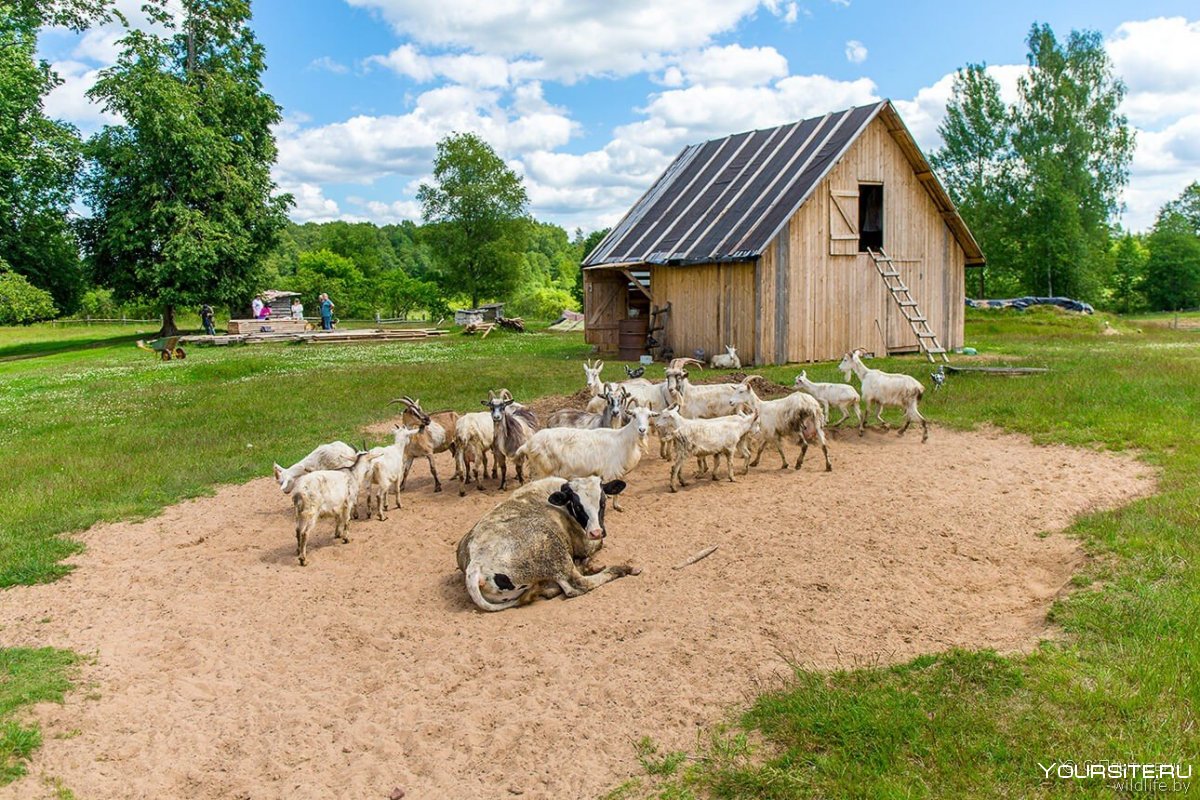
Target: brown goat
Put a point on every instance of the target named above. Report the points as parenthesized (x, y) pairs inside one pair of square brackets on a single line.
[(436, 435)]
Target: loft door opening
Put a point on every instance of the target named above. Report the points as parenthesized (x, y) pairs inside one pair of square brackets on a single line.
[(870, 217)]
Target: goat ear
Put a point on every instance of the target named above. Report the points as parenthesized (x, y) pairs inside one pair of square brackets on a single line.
[(278, 471), (485, 402), (613, 487)]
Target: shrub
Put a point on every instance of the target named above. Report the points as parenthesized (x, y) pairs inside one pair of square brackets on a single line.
[(20, 301), (542, 303)]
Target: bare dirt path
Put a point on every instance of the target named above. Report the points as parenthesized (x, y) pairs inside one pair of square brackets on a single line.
[(222, 669)]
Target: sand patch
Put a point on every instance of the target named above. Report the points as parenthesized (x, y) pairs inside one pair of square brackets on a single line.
[(222, 669)]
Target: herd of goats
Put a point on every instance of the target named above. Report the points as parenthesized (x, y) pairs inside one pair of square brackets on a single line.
[(539, 542)]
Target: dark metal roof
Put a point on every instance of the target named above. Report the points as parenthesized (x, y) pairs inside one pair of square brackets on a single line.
[(726, 199)]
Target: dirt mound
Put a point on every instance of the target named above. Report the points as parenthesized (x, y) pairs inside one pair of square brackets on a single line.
[(222, 669)]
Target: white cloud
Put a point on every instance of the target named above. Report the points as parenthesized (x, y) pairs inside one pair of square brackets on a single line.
[(383, 213), (568, 41), (856, 51), (483, 71), (365, 148), (69, 101), (328, 64), (1159, 60), (732, 65), (311, 203)]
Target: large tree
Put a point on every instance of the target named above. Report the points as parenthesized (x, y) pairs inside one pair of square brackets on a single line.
[(477, 207), (184, 208), (39, 157), (1040, 181)]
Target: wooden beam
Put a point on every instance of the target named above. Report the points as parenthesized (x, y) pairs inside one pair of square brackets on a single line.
[(638, 284), (927, 175)]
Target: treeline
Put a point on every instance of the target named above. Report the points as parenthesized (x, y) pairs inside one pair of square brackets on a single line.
[(1038, 182), (395, 271)]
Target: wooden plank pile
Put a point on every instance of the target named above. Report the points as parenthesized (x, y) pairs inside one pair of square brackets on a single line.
[(323, 337)]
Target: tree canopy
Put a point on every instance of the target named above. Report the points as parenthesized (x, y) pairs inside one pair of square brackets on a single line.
[(184, 208), (1039, 181), (476, 207), (39, 157)]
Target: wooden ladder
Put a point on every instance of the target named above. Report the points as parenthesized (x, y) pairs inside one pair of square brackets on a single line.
[(926, 339)]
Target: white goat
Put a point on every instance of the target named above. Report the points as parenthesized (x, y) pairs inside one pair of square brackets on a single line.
[(727, 360), (797, 413), (472, 442), (577, 418), (887, 389), (578, 453), (334, 455), (706, 437), (696, 402), (842, 396), (387, 470), (327, 493)]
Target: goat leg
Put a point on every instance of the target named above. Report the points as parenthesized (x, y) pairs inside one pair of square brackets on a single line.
[(437, 484)]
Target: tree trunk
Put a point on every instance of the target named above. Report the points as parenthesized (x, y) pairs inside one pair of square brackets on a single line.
[(168, 323), (474, 300)]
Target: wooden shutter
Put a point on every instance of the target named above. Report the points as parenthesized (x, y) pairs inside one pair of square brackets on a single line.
[(843, 222)]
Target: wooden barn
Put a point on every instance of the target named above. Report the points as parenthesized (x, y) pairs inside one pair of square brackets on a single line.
[(795, 243)]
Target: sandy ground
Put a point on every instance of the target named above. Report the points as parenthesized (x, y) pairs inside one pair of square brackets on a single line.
[(223, 670)]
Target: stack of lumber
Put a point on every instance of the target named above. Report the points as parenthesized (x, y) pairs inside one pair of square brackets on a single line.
[(278, 325), (513, 323), (318, 337), (472, 328)]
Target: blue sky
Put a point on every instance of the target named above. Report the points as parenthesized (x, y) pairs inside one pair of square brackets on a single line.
[(590, 100)]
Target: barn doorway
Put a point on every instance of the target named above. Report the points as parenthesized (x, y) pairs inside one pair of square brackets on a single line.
[(870, 217)]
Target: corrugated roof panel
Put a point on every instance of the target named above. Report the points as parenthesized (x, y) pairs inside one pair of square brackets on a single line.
[(709, 163), (754, 201), (819, 159)]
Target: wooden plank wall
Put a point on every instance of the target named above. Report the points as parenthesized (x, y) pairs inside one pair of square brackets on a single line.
[(838, 302), (711, 305), (605, 304)]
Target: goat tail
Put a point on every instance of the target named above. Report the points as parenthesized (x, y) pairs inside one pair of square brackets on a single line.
[(474, 576)]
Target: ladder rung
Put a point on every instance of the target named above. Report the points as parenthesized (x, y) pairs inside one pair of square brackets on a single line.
[(907, 302), (927, 335), (890, 274), (935, 350), (916, 319)]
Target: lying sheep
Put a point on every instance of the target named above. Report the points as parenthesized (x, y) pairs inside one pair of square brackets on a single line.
[(840, 395), (706, 437), (727, 360), (528, 545), (327, 493), (891, 389), (334, 455)]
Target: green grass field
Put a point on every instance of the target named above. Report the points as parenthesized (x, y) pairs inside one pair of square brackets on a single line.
[(110, 433)]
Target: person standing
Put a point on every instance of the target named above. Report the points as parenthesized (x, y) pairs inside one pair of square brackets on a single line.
[(326, 312), (297, 309), (206, 317), (256, 306)]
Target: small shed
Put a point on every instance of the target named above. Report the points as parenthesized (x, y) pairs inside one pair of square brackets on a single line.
[(764, 240), (492, 312), (468, 316), (280, 302)]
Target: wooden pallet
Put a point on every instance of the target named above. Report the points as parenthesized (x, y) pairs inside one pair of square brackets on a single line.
[(927, 340)]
